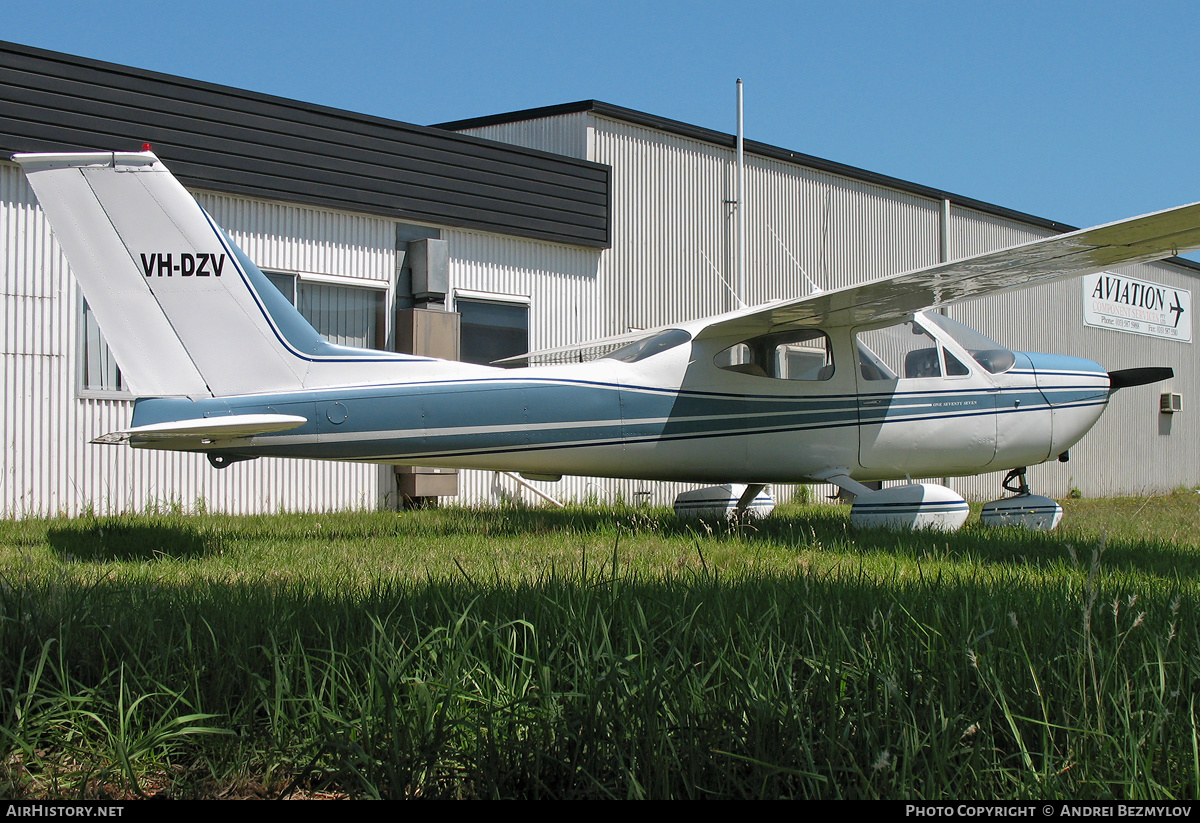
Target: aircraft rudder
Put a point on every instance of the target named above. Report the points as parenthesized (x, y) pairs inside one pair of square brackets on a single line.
[(153, 360), (183, 309)]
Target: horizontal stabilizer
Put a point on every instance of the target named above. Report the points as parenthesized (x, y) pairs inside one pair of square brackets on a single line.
[(206, 429)]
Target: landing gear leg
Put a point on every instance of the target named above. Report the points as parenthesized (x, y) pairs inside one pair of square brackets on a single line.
[(1022, 488), (747, 499)]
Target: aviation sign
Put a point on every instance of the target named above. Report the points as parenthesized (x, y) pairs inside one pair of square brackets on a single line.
[(1119, 303)]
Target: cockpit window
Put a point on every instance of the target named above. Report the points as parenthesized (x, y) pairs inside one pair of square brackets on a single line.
[(871, 367), (649, 346), (905, 349), (987, 352), (804, 354), (954, 367)]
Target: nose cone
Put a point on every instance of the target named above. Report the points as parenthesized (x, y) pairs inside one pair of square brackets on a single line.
[(1076, 390)]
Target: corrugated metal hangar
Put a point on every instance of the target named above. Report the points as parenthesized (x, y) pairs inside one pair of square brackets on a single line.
[(532, 229)]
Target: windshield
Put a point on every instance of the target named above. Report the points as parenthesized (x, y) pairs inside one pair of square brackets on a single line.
[(987, 352)]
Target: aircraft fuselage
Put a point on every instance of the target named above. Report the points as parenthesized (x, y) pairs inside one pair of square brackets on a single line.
[(676, 415)]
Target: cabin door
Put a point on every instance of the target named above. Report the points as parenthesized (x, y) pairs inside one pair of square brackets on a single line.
[(923, 412)]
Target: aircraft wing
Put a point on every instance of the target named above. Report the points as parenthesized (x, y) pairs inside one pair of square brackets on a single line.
[(1137, 240), (574, 353)]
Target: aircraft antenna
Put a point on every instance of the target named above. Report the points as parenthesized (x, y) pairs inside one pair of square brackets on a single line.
[(821, 272), (724, 282), (812, 284), (741, 201)]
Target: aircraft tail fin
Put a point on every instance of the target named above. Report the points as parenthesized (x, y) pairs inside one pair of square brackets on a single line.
[(183, 309)]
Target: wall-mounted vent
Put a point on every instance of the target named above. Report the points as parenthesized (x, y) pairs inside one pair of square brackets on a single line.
[(1170, 402)]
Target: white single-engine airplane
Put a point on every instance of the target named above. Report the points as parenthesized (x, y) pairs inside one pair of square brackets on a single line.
[(843, 387)]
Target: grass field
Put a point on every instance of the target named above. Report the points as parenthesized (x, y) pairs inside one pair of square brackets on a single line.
[(596, 652)]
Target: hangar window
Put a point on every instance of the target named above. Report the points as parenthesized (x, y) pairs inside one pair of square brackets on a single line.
[(99, 373), (492, 327), (804, 354), (345, 313)]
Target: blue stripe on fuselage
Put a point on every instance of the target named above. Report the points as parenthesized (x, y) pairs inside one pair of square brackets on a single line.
[(289, 326), (504, 414)]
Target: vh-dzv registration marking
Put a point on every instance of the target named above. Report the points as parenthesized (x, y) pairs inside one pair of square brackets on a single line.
[(187, 265)]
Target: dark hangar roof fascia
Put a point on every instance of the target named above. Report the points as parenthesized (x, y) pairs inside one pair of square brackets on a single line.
[(231, 140)]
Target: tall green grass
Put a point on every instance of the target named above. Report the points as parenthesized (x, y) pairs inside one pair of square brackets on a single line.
[(599, 653)]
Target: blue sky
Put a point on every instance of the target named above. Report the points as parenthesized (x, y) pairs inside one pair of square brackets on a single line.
[(1073, 111)]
